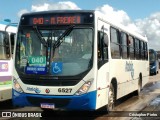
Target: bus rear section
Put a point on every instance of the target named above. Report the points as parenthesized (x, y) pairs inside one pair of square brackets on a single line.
[(7, 38), (5, 81)]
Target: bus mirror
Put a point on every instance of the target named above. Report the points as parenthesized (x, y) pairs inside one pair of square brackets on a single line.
[(106, 40)]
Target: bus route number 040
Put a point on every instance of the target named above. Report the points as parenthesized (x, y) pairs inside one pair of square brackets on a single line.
[(37, 60)]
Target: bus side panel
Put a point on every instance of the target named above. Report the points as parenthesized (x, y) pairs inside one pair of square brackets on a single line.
[(145, 77), (6, 65), (127, 73), (102, 86), (123, 77), (5, 92), (5, 79)]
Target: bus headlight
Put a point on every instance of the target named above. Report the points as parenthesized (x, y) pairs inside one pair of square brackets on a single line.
[(17, 86), (153, 67), (84, 88)]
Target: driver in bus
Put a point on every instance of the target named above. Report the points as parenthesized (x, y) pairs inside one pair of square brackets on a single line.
[(81, 46)]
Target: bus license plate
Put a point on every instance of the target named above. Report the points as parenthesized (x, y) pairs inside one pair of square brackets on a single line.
[(47, 105)]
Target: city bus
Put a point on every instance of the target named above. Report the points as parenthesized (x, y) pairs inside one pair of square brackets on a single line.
[(76, 60), (7, 40), (153, 61)]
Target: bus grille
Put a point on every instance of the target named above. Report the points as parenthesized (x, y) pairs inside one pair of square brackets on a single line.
[(49, 81)]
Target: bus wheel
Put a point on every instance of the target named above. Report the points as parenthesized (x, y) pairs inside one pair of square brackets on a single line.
[(111, 99), (139, 87)]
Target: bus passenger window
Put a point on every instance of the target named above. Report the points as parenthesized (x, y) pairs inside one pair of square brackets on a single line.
[(105, 46), (12, 38), (99, 45), (4, 46), (146, 51), (102, 46), (131, 47), (115, 44), (137, 49), (125, 49), (142, 50)]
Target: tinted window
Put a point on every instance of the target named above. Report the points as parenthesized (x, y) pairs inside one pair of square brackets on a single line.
[(124, 45), (132, 50), (115, 44)]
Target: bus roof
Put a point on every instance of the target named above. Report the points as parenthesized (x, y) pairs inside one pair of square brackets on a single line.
[(120, 26), (58, 11), (10, 28), (152, 50)]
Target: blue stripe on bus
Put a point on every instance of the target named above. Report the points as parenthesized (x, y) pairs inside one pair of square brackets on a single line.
[(83, 102)]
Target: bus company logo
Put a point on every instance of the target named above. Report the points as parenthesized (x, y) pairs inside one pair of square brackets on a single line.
[(47, 90), (129, 68), (3, 67), (36, 90)]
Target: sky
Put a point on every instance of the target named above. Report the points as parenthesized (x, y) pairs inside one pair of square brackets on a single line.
[(142, 16)]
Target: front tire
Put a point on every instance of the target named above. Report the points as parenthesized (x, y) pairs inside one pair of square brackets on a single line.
[(139, 86), (111, 99)]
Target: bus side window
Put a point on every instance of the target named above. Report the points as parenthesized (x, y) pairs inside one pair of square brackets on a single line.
[(105, 46), (4, 46), (137, 48), (143, 50), (146, 51), (12, 38), (115, 43), (102, 48), (1, 46), (125, 48), (99, 46), (132, 47)]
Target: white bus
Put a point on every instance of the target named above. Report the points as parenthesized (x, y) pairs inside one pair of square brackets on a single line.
[(7, 39), (76, 60)]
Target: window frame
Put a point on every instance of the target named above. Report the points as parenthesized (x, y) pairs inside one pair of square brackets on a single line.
[(5, 46), (115, 43), (124, 56)]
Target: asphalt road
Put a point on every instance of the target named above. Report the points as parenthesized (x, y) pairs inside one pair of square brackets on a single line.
[(129, 107)]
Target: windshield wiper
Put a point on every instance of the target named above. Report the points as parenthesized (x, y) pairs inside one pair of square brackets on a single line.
[(40, 36), (58, 42)]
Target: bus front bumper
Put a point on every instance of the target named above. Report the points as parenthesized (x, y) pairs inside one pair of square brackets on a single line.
[(82, 102)]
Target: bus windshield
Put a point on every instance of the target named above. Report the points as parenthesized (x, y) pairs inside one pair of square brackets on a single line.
[(152, 57), (56, 51)]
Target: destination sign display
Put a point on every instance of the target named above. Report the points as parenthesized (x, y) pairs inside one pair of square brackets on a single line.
[(57, 19)]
